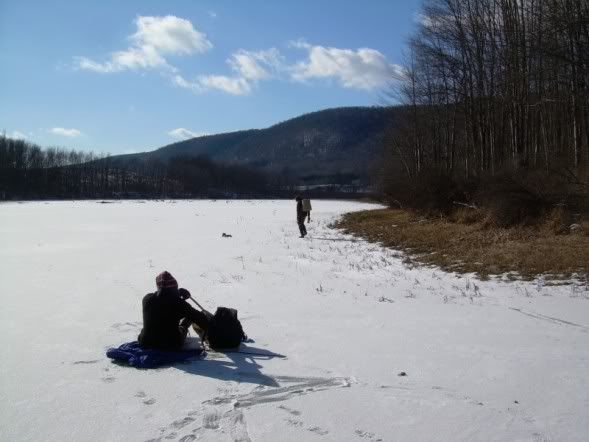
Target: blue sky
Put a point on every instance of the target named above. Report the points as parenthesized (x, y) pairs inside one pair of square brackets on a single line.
[(130, 76)]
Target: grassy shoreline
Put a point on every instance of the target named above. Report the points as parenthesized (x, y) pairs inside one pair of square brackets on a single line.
[(518, 252)]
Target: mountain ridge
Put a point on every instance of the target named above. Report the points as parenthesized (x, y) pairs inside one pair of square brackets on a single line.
[(313, 147)]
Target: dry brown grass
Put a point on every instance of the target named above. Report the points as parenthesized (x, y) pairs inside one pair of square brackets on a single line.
[(465, 242)]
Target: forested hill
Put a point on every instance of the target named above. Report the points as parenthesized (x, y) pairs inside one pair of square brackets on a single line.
[(337, 144)]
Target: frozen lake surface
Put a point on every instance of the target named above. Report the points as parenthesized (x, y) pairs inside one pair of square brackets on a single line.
[(483, 360)]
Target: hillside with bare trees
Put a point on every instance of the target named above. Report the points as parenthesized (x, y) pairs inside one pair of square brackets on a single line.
[(494, 90)]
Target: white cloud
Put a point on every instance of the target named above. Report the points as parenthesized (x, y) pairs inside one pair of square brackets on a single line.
[(438, 22), (431, 21), (231, 85), (185, 134), (256, 66), (422, 19), (155, 38), (179, 80), (193, 86), (65, 132), (212, 14), (90, 65), (363, 68), (17, 135), (249, 67), (203, 83), (299, 44), (170, 35)]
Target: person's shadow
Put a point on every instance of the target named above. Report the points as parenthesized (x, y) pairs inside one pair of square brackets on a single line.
[(232, 365)]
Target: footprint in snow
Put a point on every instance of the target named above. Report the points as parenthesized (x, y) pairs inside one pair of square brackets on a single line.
[(238, 426), (299, 423), (294, 422), (231, 422), (181, 423), (318, 430), (290, 410), (211, 420), (367, 435)]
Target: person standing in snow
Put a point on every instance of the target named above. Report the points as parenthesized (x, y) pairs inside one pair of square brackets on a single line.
[(167, 316), (301, 215)]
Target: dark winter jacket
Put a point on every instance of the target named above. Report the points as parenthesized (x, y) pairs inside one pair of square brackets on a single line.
[(301, 214), (162, 313)]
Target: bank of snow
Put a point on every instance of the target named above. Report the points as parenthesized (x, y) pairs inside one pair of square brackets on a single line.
[(484, 360)]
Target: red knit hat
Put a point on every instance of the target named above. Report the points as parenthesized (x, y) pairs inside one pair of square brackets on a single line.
[(166, 281)]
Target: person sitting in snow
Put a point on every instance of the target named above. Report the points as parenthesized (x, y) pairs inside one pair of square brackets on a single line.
[(167, 316)]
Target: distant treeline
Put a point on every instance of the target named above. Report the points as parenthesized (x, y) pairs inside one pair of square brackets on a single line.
[(30, 172)]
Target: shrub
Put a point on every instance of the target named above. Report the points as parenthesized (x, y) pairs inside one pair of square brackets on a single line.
[(432, 192), (557, 221), (530, 197), (464, 215), (509, 198)]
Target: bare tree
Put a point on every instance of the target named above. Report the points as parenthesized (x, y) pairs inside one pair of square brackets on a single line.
[(492, 84)]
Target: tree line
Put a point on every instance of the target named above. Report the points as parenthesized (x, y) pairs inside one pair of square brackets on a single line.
[(29, 172), (490, 84)]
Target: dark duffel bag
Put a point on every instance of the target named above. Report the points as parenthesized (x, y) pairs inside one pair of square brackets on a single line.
[(225, 330)]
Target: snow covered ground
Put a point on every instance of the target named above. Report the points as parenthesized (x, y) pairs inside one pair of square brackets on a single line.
[(483, 360)]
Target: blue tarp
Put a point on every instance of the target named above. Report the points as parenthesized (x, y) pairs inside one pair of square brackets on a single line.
[(132, 354)]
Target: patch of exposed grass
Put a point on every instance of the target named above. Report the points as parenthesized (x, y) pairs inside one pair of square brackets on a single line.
[(469, 244)]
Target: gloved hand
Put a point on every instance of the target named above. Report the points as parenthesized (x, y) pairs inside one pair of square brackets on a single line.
[(184, 294)]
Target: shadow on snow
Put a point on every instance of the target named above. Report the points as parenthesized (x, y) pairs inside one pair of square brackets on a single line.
[(232, 365)]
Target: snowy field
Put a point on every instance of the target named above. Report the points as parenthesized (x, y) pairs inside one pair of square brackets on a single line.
[(483, 360)]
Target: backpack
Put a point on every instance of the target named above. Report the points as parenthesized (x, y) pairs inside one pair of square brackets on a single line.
[(225, 330), (306, 205)]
